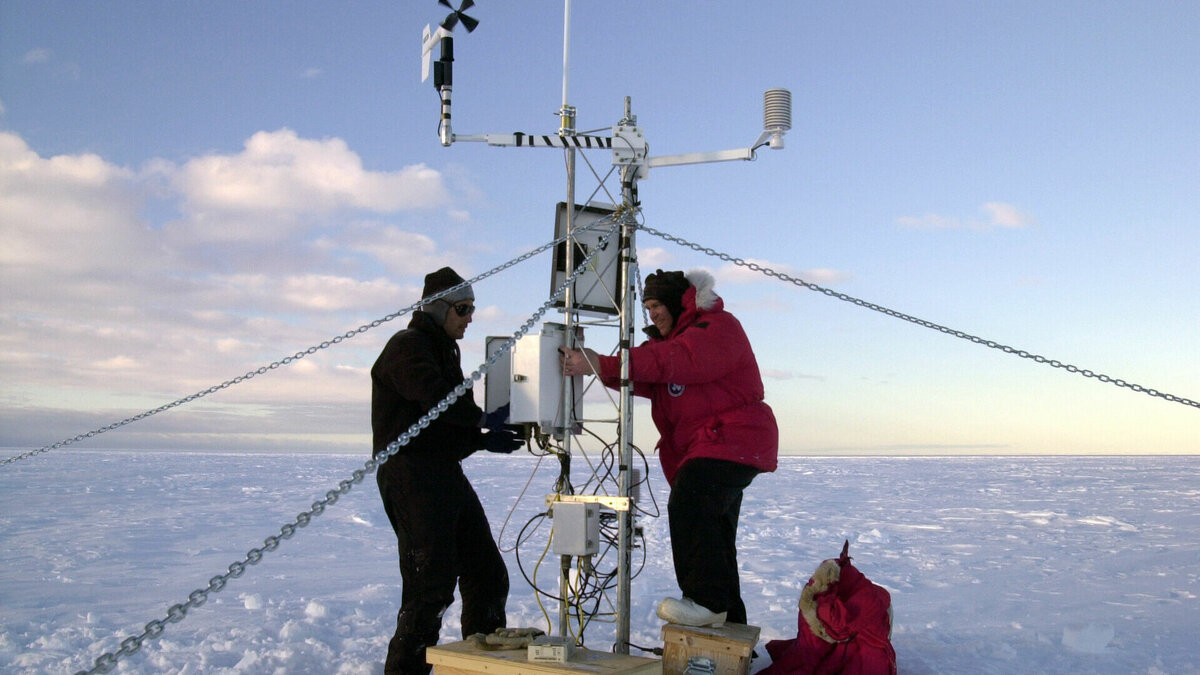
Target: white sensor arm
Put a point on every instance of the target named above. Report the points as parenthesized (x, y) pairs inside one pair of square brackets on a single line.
[(777, 120), (701, 157)]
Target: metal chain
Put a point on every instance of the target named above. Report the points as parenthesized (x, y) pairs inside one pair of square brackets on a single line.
[(286, 360), (922, 322), (176, 613)]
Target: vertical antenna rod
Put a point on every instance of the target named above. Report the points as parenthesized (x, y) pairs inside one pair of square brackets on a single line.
[(566, 48)]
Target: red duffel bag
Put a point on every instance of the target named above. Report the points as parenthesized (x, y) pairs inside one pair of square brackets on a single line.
[(845, 626)]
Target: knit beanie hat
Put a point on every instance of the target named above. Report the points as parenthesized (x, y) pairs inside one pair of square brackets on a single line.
[(667, 288), (436, 282)]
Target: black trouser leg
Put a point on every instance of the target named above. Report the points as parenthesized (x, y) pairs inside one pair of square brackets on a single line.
[(442, 534), (705, 503), (417, 628), (482, 576)]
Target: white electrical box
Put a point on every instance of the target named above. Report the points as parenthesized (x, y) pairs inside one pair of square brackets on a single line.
[(497, 379), (576, 528), (536, 389), (550, 649)]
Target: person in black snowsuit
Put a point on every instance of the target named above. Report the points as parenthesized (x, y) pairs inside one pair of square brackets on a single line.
[(442, 532)]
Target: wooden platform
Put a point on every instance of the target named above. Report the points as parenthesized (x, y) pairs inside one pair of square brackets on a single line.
[(461, 658), (729, 646)]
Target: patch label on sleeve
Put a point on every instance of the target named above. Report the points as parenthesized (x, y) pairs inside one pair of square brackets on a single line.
[(675, 389)]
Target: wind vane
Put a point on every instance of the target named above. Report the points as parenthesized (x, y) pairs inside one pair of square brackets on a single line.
[(430, 38)]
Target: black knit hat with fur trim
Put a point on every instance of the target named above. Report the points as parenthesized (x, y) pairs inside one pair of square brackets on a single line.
[(667, 288)]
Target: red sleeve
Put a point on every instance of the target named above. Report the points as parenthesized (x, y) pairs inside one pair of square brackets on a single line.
[(705, 351), (610, 375)]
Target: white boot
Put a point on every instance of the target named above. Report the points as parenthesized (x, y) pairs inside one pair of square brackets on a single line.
[(686, 612)]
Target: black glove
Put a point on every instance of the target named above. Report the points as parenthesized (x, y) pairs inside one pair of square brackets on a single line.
[(494, 421), (503, 440)]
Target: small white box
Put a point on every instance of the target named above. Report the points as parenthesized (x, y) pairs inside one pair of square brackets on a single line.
[(576, 528), (551, 649)]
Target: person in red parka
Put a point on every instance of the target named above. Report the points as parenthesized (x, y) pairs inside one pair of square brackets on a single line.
[(716, 433), (844, 626)]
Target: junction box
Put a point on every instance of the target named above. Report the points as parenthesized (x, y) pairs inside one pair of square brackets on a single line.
[(576, 528), (529, 378)]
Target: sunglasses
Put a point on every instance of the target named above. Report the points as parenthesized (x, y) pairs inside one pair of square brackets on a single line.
[(463, 309)]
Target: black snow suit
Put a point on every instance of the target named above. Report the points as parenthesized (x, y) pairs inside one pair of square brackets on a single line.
[(442, 532)]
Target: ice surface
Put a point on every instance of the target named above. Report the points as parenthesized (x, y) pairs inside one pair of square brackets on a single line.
[(995, 565)]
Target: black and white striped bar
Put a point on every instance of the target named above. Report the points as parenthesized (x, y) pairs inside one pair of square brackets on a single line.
[(523, 140)]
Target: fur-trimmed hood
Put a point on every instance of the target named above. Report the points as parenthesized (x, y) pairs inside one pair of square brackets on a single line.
[(703, 281), (827, 574)]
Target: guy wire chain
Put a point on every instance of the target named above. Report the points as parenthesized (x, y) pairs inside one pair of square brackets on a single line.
[(176, 613), (286, 360), (922, 322)]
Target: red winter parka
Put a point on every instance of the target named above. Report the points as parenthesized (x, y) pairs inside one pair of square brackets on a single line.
[(704, 386)]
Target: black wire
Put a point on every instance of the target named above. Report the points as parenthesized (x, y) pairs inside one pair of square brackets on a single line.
[(653, 650), (586, 599), (517, 549)]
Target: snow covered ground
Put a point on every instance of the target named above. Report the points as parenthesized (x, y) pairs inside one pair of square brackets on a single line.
[(995, 564)]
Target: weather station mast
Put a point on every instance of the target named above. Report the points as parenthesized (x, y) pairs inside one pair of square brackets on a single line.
[(612, 279)]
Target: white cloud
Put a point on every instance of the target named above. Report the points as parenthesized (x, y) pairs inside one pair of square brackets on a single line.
[(309, 293), (229, 345), (104, 309), (735, 274), (310, 73), (37, 55), (651, 258), (71, 213), (996, 215), (401, 253), (331, 293), (929, 221), (1006, 215), (119, 362), (826, 276), (281, 173)]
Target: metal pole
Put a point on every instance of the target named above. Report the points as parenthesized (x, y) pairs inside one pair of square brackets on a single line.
[(625, 441), (567, 128), (625, 422), (568, 385)]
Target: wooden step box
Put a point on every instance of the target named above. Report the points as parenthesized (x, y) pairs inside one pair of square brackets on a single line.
[(730, 647)]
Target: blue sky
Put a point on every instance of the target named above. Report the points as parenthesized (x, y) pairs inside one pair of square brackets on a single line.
[(192, 190)]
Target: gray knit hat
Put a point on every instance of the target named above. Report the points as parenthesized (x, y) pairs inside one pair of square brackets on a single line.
[(436, 282)]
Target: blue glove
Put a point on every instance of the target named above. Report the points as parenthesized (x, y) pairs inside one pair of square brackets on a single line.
[(503, 440), (494, 421)]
